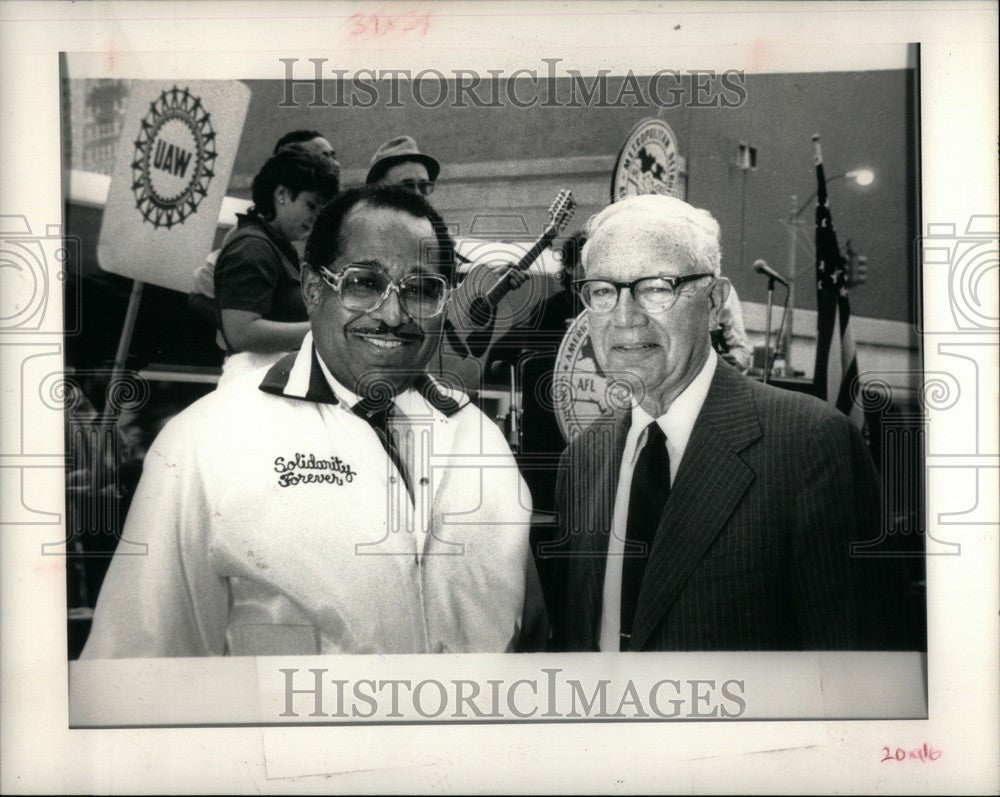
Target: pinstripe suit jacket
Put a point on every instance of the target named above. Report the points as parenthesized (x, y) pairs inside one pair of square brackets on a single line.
[(753, 548)]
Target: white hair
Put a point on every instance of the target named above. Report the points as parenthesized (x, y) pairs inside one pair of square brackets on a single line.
[(692, 233)]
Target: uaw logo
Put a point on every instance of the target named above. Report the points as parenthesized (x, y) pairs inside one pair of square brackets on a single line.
[(581, 393), (649, 163), (174, 158)]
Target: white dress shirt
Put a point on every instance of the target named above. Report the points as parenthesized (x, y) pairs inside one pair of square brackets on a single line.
[(676, 423), (407, 437)]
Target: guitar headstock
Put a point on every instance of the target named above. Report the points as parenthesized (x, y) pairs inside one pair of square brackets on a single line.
[(561, 210)]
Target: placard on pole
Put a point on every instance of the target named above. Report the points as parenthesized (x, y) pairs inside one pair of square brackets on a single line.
[(176, 152)]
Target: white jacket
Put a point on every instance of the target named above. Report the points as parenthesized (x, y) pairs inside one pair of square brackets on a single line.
[(277, 524)]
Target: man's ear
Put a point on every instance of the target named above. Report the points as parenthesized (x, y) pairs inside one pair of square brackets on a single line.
[(312, 289), (282, 195), (717, 297)]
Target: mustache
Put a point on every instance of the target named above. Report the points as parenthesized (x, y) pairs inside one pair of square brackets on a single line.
[(384, 330)]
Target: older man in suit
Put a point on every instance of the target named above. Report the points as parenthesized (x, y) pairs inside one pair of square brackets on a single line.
[(717, 514)]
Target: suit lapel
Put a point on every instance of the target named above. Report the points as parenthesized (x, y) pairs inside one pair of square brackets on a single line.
[(597, 461), (709, 484)]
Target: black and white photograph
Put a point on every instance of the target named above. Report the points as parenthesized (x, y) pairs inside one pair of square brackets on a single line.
[(503, 378)]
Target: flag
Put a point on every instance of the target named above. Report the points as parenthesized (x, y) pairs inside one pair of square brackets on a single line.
[(835, 377)]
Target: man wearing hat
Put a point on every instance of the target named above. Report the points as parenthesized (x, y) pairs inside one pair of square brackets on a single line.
[(400, 162)]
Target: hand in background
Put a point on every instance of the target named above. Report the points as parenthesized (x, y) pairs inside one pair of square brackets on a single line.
[(738, 358), (516, 278)]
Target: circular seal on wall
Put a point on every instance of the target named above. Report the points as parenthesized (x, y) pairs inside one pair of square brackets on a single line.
[(174, 158), (649, 163), (581, 392)]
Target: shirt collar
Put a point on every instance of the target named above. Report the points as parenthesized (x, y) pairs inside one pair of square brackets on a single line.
[(346, 397), (678, 421)]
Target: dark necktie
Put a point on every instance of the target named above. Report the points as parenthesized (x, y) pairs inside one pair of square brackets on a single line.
[(647, 498), (377, 416)]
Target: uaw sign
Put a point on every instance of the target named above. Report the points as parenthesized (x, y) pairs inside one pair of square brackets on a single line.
[(649, 163), (171, 172)]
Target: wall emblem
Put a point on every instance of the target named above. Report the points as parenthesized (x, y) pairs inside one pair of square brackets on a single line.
[(649, 163)]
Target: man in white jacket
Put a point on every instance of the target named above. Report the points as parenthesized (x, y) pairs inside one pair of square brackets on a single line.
[(341, 501)]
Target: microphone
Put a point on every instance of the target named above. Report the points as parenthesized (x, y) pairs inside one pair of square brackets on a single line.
[(500, 368), (763, 268)]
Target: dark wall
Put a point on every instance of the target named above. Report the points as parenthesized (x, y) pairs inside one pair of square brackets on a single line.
[(864, 119)]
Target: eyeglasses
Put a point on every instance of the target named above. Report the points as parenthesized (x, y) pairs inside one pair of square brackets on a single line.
[(424, 187), (364, 289), (653, 294)]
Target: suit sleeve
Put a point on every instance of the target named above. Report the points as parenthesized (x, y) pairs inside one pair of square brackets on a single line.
[(161, 597), (838, 504)]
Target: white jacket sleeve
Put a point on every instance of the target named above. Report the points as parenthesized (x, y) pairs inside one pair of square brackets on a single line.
[(161, 597)]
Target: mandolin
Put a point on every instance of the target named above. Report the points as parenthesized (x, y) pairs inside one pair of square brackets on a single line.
[(482, 309)]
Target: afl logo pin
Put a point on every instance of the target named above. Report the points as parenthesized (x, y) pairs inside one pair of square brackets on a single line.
[(174, 158)]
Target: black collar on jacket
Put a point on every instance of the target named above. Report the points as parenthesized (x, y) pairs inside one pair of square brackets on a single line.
[(280, 376)]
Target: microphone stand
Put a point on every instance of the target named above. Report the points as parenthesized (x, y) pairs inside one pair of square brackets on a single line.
[(512, 420), (514, 433), (783, 346), (768, 359)]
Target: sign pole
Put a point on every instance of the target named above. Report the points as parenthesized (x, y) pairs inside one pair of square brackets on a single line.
[(124, 343), (176, 151)]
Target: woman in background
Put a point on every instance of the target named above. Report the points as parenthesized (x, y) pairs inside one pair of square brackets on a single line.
[(257, 292)]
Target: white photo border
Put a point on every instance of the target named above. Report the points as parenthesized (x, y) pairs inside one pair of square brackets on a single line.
[(958, 134)]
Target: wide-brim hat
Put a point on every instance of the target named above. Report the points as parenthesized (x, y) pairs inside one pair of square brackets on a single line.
[(396, 151)]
